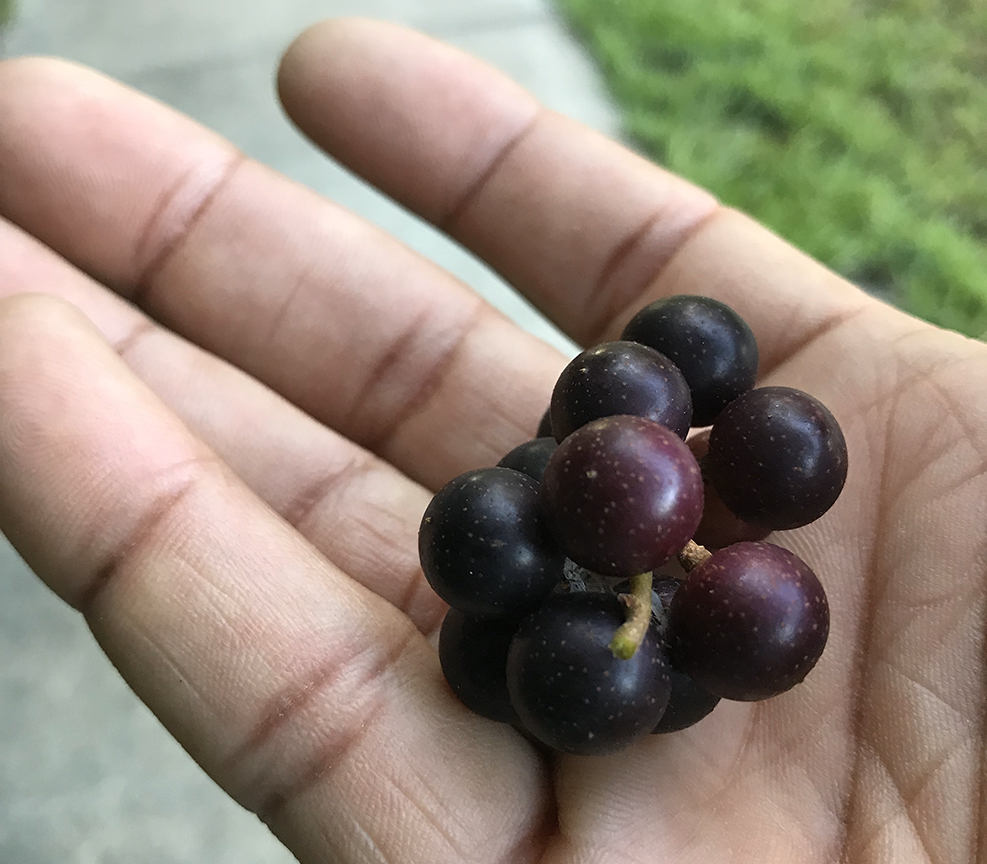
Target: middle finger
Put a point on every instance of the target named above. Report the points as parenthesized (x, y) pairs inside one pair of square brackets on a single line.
[(345, 322)]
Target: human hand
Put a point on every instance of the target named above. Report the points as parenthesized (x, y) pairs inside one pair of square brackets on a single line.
[(224, 468)]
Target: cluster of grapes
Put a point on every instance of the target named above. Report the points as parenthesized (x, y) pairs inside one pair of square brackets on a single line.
[(557, 623)]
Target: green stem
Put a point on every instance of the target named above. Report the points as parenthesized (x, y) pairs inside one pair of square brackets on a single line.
[(630, 634)]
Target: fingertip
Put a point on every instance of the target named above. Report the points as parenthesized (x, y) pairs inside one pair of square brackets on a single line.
[(13, 68), (326, 42), (29, 321), (330, 33), (34, 304), (418, 118), (40, 78)]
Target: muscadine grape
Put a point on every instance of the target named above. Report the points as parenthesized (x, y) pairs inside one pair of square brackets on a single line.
[(473, 656), (531, 457), (620, 378), (708, 341), (622, 495), (748, 623), (777, 457), (720, 526), (569, 689), (545, 425), (484, 546), (688, 703)]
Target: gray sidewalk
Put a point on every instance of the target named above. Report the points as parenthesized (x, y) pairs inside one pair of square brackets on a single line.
[(87, 776)]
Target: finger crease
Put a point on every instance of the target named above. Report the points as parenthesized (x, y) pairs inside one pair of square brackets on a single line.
[(341, 741), (634, 245), (313, 495), (480, 182), (430, 382), (417, 583), (166, 231), (155, 515), (432, 818), (322, 765), (533, 844), (830, 324), (141, 330)]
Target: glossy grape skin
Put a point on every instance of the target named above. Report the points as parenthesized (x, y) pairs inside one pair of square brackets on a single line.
[(484, 546), (708, 341), (749, 623), (622, 495), (473, 656), (568, 688), (531, 457), (620, 378), (777, 458)]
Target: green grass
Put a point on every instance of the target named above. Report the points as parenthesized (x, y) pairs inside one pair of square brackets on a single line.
[(857, 129)]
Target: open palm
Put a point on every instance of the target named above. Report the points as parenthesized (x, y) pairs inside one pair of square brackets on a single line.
[(227, 472)]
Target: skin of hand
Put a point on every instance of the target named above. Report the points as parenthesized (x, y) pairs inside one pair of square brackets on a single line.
[(224, 404)]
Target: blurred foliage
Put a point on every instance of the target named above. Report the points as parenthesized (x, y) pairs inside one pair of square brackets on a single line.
[(857, 129), (6, 10)]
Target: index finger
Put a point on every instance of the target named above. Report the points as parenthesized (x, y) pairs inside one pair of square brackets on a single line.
[(587, 230)]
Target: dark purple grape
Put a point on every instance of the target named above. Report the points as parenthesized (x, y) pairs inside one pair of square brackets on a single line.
[(777, 457), (622, 495), (473, 655), (708, 341), (484, 546), (545, 425), (688, 703), (531, 457), (569, 689), (749, 622), (620, 378)]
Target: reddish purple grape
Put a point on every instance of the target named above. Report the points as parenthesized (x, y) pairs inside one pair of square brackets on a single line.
[(777, 457), (484, 546), (622, 495), (748, 623), (620, 378), (569, 689), (531, 457), (720, 526), (708, 341), (473, 655)]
